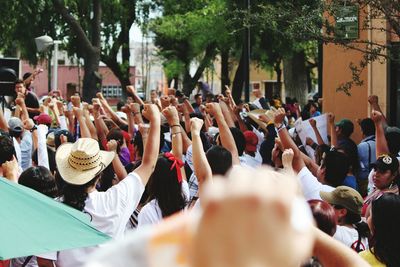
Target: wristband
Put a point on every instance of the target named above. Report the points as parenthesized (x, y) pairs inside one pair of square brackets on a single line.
[(280, 127), (33, 128), (314, 146), (176, 125)]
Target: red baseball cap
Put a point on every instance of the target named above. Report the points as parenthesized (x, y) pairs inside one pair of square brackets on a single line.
[(251, 141), (43, 118)]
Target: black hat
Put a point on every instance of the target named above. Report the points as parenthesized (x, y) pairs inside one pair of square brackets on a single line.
[(386, 162)]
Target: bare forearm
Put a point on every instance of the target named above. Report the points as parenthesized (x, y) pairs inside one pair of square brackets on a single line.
[(202, 168), (331, 253), (227, 114), (381, 143), (227, 139), (85, 133), (119, 169), (320, 141)]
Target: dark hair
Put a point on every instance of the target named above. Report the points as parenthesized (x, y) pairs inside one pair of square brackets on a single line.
[(26, 75), (319, 152), (138, 142), (52, 159), (197, 96), (164, 187), (367, 126), (116, 134), (220, 160), (7, 150), (324, 215), (57, 137), (120, 104), (361, 226), (18, 81), (336, 166), (240, 141), (393, 141), (39, 179), (76, 195), (386, 221)]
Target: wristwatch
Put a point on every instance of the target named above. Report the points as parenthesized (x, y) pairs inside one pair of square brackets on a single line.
[(33, 128)]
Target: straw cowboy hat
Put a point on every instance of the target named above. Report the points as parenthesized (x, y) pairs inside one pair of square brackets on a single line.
[(80, 162)]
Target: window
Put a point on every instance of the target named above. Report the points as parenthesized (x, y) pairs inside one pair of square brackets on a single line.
[(112, 91)]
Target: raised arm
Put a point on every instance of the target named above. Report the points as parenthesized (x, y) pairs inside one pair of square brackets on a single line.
[(84, 130), (202, 168), (225, 134), (171, 114), (332, 128), (132, 91), (89, 123), (150, 154), (227, 114), (3, 122), (374, 102), (380, 139), (313, 124), (287, 141), (20, 101), (119, 169), (110, 111), (332, 253)]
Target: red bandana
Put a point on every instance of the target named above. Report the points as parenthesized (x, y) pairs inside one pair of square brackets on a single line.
[(177, 164)]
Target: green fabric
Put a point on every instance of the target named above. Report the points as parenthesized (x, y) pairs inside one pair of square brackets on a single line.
[(32, 223)]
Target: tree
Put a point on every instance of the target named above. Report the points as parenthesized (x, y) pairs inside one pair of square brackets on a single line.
[(317, 21), (187, 33), (91, 29)]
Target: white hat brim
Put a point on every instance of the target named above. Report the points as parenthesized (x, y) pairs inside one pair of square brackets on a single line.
[(79, 177)]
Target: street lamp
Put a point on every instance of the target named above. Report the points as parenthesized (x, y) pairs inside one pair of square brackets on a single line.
[(44, 42)]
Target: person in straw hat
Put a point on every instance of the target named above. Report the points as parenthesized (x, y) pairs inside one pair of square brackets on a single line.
[(81, 164)]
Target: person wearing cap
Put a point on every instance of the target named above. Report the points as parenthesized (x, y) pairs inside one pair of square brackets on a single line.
[(385, 178), (251, 157), (43, 118), (81, 165), (23, 142), (348, 203)]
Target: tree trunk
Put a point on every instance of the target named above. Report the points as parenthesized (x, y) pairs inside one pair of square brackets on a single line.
[(238, 81), (91, 79), (295, 73), (278, 71), (225, 81)]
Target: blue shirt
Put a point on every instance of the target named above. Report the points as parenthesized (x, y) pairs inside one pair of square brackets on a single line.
[(350, 181), (367, 155)]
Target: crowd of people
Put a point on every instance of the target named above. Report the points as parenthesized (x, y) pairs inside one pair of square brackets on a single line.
[(209, 182)]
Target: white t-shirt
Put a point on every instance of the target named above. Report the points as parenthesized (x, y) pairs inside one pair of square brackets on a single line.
[(109, 212), (310, 185), (349, 237), (249, 161), (151, 212)]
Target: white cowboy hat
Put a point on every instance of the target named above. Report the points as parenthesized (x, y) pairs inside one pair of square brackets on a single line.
[(80, 162)]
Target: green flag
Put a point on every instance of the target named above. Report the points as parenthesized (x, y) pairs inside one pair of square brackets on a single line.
[(32, 223)]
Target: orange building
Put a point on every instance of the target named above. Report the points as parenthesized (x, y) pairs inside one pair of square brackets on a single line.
[(381, 78)]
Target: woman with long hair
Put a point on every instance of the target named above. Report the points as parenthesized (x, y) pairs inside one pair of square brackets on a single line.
[(167, 189), (384, 221), (81, 165)]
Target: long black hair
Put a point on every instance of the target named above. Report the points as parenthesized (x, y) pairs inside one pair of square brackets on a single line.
[(386, 235), (164, 187), (76, 195)]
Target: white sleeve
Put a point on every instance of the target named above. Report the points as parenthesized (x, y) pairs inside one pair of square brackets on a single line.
[(126, 194), (17, 151), (149, 214), (63, 123), (48, 256), (43, 157), (310, 184)]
